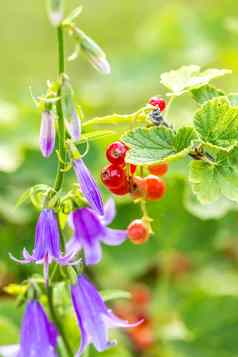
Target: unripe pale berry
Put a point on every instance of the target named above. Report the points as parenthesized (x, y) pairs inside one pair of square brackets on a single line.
[(138, 231)]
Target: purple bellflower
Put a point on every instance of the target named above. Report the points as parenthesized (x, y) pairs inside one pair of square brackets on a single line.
[(90, 230), (38, 335), (94, 318), (47, 244), (47, 133), (88, 186)]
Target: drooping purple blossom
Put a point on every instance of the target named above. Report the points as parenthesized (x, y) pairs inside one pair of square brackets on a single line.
[(94, 317), (90, 230), (47, 133), (88, 186), (47, 243), (38, 335)]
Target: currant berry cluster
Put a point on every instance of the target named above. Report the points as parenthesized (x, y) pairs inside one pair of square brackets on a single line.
[(121, 179), (114, 175)]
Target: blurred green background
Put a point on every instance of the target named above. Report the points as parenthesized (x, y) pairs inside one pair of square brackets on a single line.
[(185, 279)]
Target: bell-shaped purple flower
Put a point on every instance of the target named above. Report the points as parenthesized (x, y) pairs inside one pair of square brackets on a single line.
[(47, 243), (88, 186), (94, 317), (90, 230), (38, 335), (47, 133)]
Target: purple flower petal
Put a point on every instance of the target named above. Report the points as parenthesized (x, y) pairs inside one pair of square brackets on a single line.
[(114, 236), (38, 334), (88, 186), (93, 316), (109, 211), (47, 244), (47, 133)]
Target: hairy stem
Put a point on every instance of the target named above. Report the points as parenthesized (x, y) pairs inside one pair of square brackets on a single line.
[(61, 129), (55, 319)]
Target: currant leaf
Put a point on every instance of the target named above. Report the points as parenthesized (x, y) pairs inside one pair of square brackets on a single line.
[(205, 93), (186, 78), (217, 123), (212, 181), (156, 144)]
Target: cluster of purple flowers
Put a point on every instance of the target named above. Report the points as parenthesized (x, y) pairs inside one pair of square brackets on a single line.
[(89, 230)]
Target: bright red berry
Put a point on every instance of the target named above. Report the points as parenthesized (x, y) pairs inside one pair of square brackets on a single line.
[(159, 170), (132, 169), (154, 188), (158, 103), (121, 190), (116, 153), (138, 231), (113, 176)]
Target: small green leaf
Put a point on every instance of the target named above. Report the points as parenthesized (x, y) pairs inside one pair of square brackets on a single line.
[(212, 181), (115, 294), (205, 93), (217, 123), (150, 146), (74, 14), (187, 78)]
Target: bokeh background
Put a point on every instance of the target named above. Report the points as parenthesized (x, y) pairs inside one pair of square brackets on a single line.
[(184, 281)]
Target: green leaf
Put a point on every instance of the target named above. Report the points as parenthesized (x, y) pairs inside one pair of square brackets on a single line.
[(150, 146), (217, 123), (211, 181), (214, 210), (187, 78), (115, 294), (205, 93)]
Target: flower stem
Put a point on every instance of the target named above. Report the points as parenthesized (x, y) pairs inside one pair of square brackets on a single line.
[(59, 108), (56, 320)]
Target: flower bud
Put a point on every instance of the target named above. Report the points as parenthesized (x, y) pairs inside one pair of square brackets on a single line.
[(47, 133), (94, 53), (56, 11), (73, 123)]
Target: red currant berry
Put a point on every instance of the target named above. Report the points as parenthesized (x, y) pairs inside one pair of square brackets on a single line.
[(116, 153), (132, 169), (159, 170), (154, 188), (113, 176), (158, 103), (138, 231), (122, 189)]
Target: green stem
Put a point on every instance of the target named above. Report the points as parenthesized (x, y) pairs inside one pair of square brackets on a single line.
[(61, 129), (55, 319)]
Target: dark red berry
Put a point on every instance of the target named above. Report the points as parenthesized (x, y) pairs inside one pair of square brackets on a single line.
[(154, 188), (132, 169), (121, 190), (159, 170), (138, 231), (113, 176), (116, 153), (158, 103)]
